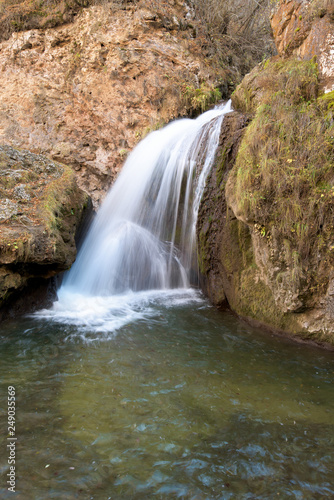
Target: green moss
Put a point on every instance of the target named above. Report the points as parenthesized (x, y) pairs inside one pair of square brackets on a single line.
[(201, 98), (14, 244), (231, 254), (222, 166), (256, 299), (294, 79), (203, 249), (327, 101), (52, 203), (243, 97), (250, 296), (283, 175)]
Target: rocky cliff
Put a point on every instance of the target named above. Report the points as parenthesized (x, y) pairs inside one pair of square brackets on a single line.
[(82, 82), (84, 93), (304, 28), (41, 211), (266, 233)]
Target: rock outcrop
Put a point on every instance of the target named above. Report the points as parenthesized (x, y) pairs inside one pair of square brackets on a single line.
[(41, 212), (266, 230), (305, 28), (85, 93)]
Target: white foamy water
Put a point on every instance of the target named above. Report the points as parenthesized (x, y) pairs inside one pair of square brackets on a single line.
[(141, 244), (100, 317)]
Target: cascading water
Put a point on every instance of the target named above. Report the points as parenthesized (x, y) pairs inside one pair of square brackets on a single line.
[(177, 406), (143, 237)]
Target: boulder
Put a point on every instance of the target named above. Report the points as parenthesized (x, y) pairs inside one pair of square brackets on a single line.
[(265, 230), (41, 212)]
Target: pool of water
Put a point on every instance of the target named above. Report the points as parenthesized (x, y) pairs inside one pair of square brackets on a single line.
[(182, 401)]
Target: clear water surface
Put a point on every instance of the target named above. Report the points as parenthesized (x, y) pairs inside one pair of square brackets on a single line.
[(180, 401)]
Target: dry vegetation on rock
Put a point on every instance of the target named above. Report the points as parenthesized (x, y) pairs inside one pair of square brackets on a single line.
[(237, 33), (283, 178), (234, 35), (84, 83), (86, 92), (281, 190), (266, 224)]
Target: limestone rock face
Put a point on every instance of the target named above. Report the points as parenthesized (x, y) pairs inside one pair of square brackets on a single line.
[(85, 93), (41, 210), (305, 28)]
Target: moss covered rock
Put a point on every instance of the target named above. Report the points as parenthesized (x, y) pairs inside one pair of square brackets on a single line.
[(275, 231), (41, 209), (305, 28)]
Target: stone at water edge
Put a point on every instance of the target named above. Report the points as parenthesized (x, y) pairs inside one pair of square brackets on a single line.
[(41, 211)]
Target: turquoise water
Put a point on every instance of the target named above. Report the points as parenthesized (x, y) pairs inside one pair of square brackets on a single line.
[(183, 401)]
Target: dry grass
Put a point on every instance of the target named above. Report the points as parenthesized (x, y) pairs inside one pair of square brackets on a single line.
[(237, 33), (21, 15), (284, 174), (232, 35), (199, 99)]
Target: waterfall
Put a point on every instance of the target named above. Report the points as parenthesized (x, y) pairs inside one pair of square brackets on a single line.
[(143, 237)]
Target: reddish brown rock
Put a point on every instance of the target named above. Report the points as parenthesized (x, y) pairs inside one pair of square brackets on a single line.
[(289, 26), (86, 92), (305, 28)]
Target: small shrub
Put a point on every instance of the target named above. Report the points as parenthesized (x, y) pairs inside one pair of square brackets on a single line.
[(199, 99)]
